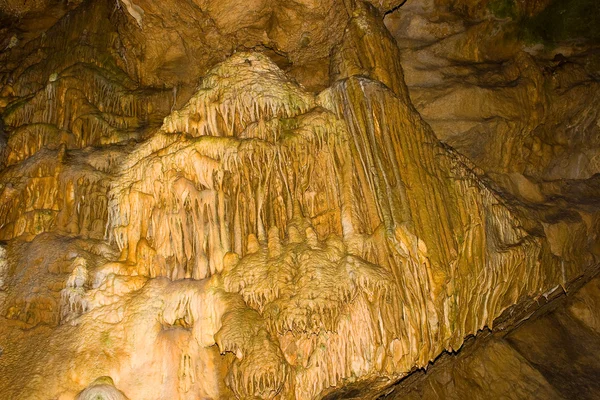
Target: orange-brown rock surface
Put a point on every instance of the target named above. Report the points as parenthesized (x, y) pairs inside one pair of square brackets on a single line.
[(216, 199), (552, 356)]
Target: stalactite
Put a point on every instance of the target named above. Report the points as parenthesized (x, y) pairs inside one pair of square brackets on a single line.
[(362, 262), (73, 296), (260, 241), (229, 101)]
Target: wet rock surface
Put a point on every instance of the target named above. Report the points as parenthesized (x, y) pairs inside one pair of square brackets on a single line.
[(290, 200), (552, 355)]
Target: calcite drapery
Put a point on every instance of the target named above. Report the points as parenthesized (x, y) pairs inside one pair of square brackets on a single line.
[(313, 240), (388, 234)]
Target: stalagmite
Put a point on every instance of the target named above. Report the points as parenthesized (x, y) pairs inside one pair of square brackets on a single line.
[(101, 388)]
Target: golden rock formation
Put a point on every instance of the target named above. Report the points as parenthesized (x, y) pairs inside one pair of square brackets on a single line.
[(259, 212)]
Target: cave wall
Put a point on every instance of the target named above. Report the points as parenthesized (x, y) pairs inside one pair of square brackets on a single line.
[(202, 200)]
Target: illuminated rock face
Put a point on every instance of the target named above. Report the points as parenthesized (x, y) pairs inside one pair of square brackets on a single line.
[(263, 241)]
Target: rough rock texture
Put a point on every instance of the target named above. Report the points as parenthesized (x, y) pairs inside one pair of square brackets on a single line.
[(210, 200), (552, 356), (518, 96)]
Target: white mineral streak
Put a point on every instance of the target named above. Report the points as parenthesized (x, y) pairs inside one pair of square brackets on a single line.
[(3, 267), (3, 274), (136, 11)]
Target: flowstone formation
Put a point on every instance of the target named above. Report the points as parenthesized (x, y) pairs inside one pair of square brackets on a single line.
[(262, 241)]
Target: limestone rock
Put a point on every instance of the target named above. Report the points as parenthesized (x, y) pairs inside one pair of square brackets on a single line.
[(212, 199), (102, 388), (533, 360)]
